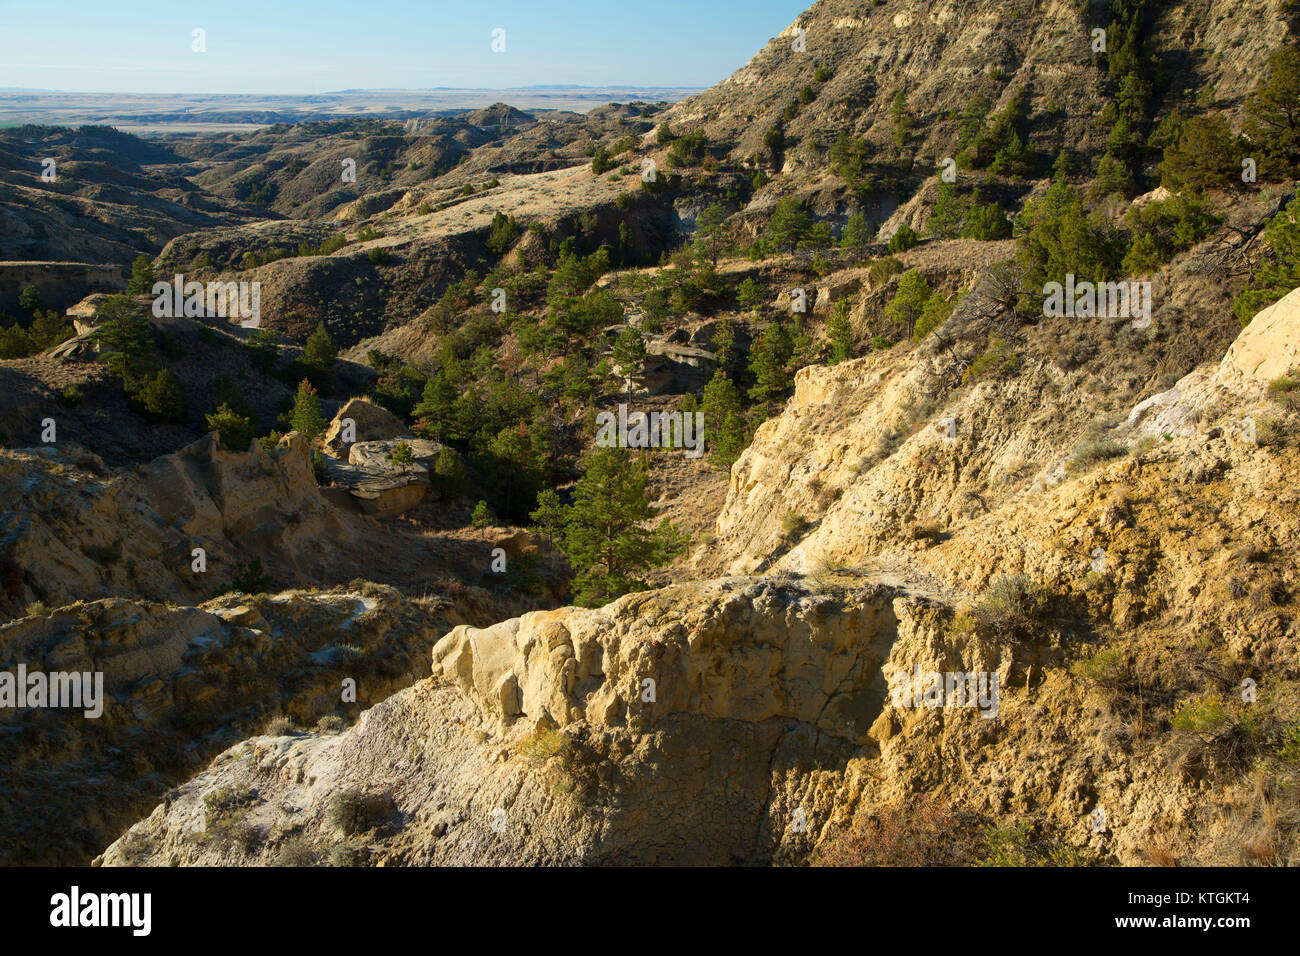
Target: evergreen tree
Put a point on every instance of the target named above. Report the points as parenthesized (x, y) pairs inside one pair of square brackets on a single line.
[(306, 416), (856, 234), (235, 431), (909, 300), (549, 516), (142, 278), (161, 397), (708, 231), (946, 216), (768, 363), (789, 224), (448, 478), (320, 350), (629, 354), (436, 410), (724, 420), (1273, 114), (840, 332), (482, 516), (605, 540)]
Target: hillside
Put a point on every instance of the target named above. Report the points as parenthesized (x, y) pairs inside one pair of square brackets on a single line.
[(986, 555)]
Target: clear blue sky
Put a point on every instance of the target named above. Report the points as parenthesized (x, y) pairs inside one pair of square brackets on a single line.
[(296, 46)]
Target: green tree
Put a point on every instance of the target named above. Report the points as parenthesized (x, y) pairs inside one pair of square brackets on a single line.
[(482, 515), (15, 343), (946, 216), (987, 221), (935, 313), (142, 278), (48, 330), (503, 233), (769, 363), (840, 332), (789, 224), (1277, 273), (401, 455), (161, 398), (1273, 114), (908, 303), (320, 350), (748, 293), (436, 410), (29, 300), (605, 538), (306, 416), (856, 234), (708, 231), (123, 337), (724, 420), (549, 516), (629, 354), (1204, 155), (448, 479)]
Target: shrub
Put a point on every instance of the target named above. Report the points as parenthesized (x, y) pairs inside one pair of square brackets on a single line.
[(1090, 454), (882, 269), (356, 811), (1012, 604), (902, 240), (162, 398), (923, 832), (234, 431), (1204, 714)]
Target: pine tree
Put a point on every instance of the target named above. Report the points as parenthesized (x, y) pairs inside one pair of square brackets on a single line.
[(320, 350), (306, 416), (235, 431), (549, 516), (629, 354), (605, 540), (724, 420), (856, 234), (482, 516), (1273, 113), (909, 300), (945, 217), (142, 278), (768, 363), (789, 224), (840, 332), (436, 410), (708, 231)]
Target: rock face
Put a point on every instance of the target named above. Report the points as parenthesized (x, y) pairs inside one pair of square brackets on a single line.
[(1269, 346), (588, 736), (181, 684), (80, 530)]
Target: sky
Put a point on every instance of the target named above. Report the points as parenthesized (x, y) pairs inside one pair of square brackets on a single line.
[(298, 47)]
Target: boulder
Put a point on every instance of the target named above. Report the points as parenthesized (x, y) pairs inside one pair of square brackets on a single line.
[(375, 454), (372, 423)]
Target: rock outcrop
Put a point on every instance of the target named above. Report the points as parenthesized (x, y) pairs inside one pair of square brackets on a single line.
[(179, 686)]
